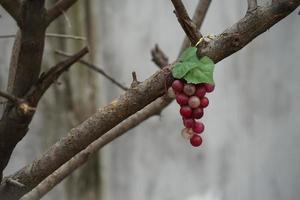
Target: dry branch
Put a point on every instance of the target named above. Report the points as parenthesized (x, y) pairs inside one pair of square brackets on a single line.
[(159, 57), (198, 19), (10, 97), (186, 23), (82, 157), (47, 79), (96, 69), (50, 35), (59, 8)]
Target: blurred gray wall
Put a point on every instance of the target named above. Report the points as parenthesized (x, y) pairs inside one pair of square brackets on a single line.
[(252, 140)]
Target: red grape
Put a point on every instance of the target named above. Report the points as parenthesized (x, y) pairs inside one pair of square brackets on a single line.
[(204, 102), (186, 111), (196, 140), (177, 85), (188, 122), (182, 99), (197, 113), (200, 92), (209, 87), (198, 127)]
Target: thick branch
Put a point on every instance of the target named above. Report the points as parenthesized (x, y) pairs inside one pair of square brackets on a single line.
[(81, 158), (24, 71), (136, 98), (248, 28), (186, 23), (13, 7), (59, 8), (96, 69)]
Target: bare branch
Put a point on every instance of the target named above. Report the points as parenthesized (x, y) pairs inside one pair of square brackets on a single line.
[(10, 97), (46, 80), (198, 19), (13, 7), (66, 169), (252, 5), (186, 23), (96, 69), (159, 57), (50, 35), (59, 8), (136, 98)]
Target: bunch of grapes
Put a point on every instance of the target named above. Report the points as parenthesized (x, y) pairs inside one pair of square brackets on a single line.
[(192, 101)]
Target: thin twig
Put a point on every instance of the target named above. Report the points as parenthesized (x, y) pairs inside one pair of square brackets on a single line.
[(10, 97), (159, 57), (58, 9), (47, 79), (50, 35), (96, 69), (198, 18), (186, 23), (252, 5)]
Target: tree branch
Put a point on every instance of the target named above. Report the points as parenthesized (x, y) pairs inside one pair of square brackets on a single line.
[(50, 35), (252, 5), (59, 8), (82, 157), (136, 98), (10, 97), (13, 7), (198, 19), (24, 71), (47, 79), (159, 57), (186, 23), (96, 69)]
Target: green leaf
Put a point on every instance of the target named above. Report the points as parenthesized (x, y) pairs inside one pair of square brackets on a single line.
[(193, 70), (182, 68), (203, 73), (188, 54)]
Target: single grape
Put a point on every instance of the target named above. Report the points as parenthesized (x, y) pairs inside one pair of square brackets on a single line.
[(194, 102), (189, 89), (177, 85), (186, 111), (204, 102), (182, 99), (187, 133), (209, 87), (196, 140), (188, 122), (201, 91), (198, 127), (197, 113)]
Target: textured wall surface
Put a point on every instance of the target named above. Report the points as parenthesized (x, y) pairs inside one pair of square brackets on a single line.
[(252, 139)]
